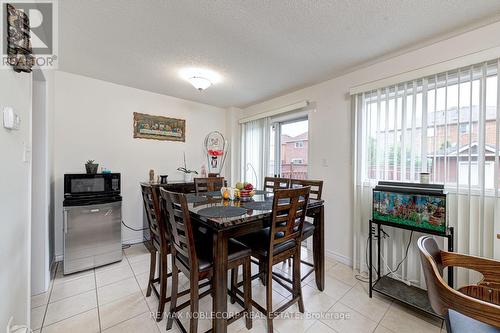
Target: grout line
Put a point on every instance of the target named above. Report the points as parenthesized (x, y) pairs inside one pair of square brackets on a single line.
[(72, 316), (48, 299), (144, 295), (97, 301), (77, 294), (121, 322)]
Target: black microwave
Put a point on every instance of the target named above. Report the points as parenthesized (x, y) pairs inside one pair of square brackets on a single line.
[(80, 185)]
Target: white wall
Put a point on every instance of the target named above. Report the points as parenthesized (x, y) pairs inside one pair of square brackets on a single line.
[(40, 196), (93, 119), (15, 91), (331, 125)]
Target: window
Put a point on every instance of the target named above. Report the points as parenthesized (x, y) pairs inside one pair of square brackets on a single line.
[(268, 148), (289, 146), (464, 128), (444, 124)]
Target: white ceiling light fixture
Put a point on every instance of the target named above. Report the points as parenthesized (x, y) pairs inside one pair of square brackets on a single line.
[(200, 83), (200, 78)]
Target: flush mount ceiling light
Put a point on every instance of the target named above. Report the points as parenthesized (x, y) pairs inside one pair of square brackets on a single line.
[(200, 78), (200, 83)]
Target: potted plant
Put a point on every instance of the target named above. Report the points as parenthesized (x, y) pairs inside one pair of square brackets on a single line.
[(188, 174), (91, 167)]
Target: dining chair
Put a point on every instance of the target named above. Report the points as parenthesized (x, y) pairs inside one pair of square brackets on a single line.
[(158, 243), (315, 193), (208, 184), (471, 308), (193, 257), (272, 184), (279, 242)]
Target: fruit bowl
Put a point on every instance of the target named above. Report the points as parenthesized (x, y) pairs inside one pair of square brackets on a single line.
[(245, 191), (246, 195)]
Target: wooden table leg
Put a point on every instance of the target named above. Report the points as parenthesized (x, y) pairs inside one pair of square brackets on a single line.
[(219, 299), (319, 248)]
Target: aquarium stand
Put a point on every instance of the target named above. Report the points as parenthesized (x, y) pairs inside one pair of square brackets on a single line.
[(395, 289)]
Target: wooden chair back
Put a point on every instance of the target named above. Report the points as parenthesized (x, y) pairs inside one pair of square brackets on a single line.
[(208, 184), (289, 212), (272, 184), (153, 214), (442, 297), (316, 187), (179, 226)]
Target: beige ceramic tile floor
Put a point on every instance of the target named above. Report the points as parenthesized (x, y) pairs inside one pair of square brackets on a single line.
[(112, 299)]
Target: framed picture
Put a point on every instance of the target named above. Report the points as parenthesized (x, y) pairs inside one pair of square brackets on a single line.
[(159, 128), (18, 40)]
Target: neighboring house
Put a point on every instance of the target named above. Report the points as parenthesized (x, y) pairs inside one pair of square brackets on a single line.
[(294, 156), (442, 144)]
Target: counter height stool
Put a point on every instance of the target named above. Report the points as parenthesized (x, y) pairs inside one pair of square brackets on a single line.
[(316, 192), (194, 260), (209, 184), (281, 241), (272, 184), (158, 243)]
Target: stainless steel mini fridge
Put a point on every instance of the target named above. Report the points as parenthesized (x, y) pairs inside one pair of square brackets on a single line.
[(92, 222)]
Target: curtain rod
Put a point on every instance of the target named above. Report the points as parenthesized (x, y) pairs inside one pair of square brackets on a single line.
[(274, 112)]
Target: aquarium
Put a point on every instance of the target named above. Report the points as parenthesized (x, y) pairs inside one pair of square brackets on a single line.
[(415, 206)]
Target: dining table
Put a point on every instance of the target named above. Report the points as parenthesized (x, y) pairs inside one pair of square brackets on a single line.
[(225, 219)]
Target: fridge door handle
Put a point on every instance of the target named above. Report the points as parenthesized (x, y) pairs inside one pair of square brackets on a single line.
[(65, 220)]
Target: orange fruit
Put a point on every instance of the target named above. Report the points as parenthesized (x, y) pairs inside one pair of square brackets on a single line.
[(226, 195)]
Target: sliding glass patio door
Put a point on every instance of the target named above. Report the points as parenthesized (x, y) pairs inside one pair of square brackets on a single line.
[(275, 147), (289, 148)]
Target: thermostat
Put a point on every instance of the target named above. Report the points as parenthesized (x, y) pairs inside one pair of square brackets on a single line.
[(11, 120)]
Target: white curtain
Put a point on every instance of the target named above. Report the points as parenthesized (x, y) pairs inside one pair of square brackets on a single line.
[(448, 125), (255, 151)]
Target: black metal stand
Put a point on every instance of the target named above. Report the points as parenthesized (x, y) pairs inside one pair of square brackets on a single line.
[(396, 289)]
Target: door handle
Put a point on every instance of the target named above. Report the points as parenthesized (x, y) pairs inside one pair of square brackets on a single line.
[(95, 210)]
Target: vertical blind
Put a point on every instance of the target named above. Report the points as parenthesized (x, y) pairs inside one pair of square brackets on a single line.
[(447, 125), (255, 143)]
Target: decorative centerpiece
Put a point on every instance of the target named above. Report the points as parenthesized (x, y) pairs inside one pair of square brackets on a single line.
[(188, 174), (242, 191), (216, 147), (245, 191), (91, 167)]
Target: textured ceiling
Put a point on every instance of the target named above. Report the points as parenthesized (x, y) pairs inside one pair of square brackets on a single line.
[(262, 48)]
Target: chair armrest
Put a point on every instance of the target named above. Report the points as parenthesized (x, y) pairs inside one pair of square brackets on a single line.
[(488, 267)]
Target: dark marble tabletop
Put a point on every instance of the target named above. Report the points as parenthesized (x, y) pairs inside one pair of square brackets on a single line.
[(195, 205)]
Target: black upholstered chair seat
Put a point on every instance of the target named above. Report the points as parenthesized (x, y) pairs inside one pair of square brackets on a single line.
[(236, 250), (459, 323), (259, 243), (307, 230)]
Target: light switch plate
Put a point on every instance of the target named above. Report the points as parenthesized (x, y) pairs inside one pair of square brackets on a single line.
[(11, 120)]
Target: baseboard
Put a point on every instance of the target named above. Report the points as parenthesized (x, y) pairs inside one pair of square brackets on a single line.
[(339, 257), (133, 241)]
